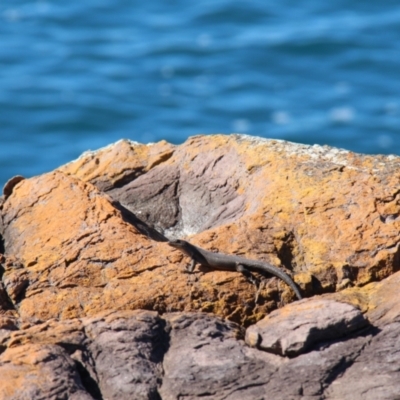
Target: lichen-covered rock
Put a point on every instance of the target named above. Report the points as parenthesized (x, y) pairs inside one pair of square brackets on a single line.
[(39, 372), (119, 163), (76, 255), (69, 249), (83, 257), (327, 215), (315, 210)]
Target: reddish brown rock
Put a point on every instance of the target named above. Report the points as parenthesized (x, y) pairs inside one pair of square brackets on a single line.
[(70, 250), (81, 255), (76, 255), (119, 163), (39, 372), (329, 216), (316, 210), (382, 306)]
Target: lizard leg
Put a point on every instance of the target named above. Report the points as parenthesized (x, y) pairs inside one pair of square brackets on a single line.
[(190, 267), (249, 276)]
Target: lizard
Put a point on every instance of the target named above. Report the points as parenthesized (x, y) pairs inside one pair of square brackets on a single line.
[(226, 262)]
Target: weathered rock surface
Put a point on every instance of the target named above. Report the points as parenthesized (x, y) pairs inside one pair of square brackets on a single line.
[(39, 372), (303, 324), (127, 351), (84, 254), (141, 355)]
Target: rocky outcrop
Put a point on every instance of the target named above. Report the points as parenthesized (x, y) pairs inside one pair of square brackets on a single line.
[(95, 304), (303, 325), (140, 355)]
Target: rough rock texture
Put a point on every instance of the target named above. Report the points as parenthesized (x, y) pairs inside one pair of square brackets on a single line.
[(127, 350), (75, 255), (39, 372), (315, 210), (84, 255), (140, 355), (303, 324)]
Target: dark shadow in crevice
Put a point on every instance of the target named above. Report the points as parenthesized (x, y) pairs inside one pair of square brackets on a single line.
[(2, 247), (5, 301), (316, 285), (19, 288), (285, 253), (128, 177), (90, 385), (365, 331), (21, 291), (161, 344), (129, 217), (84, 366)]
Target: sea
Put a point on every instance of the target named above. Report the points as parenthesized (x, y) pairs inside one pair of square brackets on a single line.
[(80, 75)]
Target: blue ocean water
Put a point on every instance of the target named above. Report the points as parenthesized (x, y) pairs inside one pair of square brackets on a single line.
[(81, 75)]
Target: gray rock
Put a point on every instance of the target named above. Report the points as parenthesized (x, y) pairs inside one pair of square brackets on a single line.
[(127, 350), (140, 355), (206, 360), (299, 326), (375, 373), (310, 375), (175, 199)]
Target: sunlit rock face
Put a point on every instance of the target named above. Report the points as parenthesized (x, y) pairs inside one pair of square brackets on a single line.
[(85, 254)]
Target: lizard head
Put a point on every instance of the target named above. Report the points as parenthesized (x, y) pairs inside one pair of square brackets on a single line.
[(178, 243)]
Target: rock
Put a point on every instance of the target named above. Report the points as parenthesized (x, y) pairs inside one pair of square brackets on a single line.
[(303, 324), (10, 184), (117, 355), (39, 372), (383, 305), (316, 210), (374, 373), (297, 207), (100, 262), (205, 360), (138, 354), (119, 163), (127, 351), (94, 303), (76, 256)]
